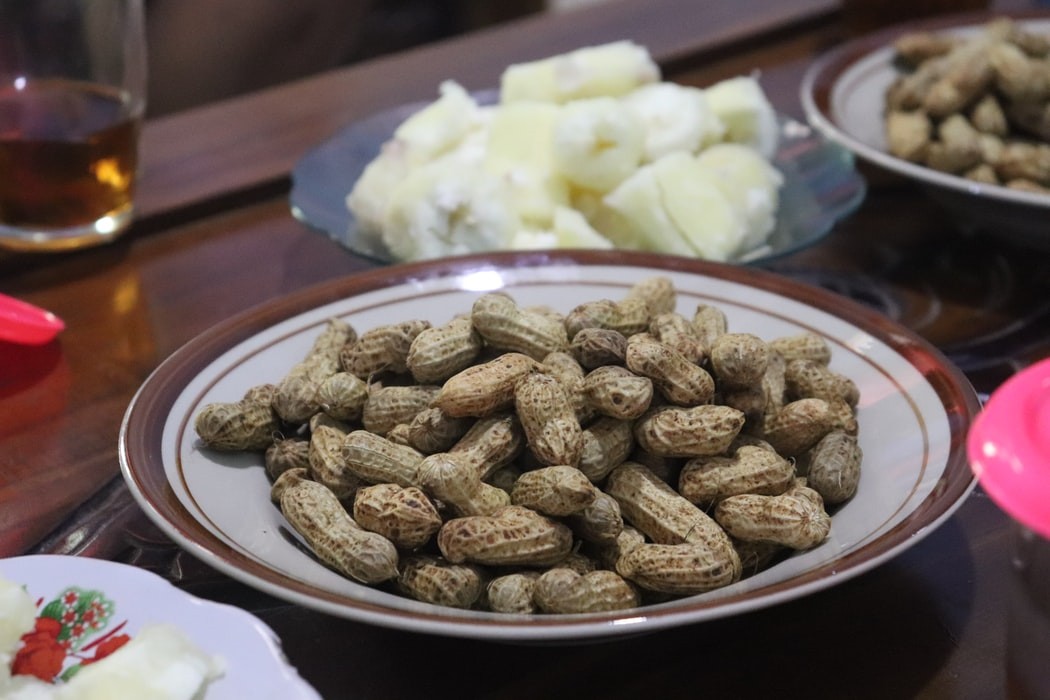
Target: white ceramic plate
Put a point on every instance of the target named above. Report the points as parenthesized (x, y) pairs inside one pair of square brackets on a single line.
[(821, 185), (843, 95), (255, 665), (914, 413)]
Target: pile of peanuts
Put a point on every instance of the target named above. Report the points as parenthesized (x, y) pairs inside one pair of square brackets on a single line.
[(520, 460), (977, 107)]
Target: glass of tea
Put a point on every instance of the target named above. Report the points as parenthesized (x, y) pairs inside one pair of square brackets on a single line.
[(72, 98)]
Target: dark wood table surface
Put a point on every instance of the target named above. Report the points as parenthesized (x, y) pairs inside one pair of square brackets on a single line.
[(215, 237)]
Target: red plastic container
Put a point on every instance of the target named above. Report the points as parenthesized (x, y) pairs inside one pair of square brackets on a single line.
[(1009, 452)]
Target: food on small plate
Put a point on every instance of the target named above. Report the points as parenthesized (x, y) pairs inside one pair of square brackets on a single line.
[(588, 149), (975, 106), (595, 71), (158, 662)]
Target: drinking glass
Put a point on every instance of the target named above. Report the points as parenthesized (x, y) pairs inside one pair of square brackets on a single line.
[(72, 98)]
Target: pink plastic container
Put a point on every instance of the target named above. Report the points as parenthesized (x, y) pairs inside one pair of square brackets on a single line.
[(1009, 452)]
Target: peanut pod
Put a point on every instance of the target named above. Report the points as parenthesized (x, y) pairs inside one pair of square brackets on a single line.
[(316, 514)]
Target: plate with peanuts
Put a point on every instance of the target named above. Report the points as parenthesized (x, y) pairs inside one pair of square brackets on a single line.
[(550, 447), (960, 105)]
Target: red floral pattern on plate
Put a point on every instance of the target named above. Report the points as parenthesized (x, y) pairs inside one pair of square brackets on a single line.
[(66, 636)]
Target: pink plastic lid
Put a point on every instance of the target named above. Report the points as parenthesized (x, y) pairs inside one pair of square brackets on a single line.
[(21, 322), (1009, 447)]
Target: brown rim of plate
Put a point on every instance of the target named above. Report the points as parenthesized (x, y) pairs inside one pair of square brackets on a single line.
[(845, 55), (142, 464)]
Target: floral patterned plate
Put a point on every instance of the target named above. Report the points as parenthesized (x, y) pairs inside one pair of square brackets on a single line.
[(88, 608)]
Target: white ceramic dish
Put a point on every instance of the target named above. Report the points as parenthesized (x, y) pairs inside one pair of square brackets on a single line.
[(843, 95), (914, 413), (255, 665), (821, 185)]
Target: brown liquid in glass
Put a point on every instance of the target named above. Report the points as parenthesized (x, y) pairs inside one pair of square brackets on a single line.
[(67, 154)]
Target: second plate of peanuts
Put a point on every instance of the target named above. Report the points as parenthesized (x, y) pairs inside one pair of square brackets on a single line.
[(959, 105)]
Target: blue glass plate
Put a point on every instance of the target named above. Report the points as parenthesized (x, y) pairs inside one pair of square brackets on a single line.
[(821, 184)]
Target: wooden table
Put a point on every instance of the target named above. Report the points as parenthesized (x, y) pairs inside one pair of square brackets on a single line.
[(215, 237)]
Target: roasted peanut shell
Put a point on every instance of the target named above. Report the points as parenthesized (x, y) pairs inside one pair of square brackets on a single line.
[(316, 514)]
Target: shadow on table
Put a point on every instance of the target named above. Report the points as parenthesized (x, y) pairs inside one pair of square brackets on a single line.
[(761, 654)]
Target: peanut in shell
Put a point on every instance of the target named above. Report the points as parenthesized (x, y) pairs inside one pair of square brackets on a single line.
[(658, 293), (676, 331), (798, 426), (388, 406), (491, 443), (432, 431), (512, 593), (485, 389), (377, 460), (552, 431), (381, 349), (676, 431), (679, 569), (404, 515), (328, 466), (751, 469), (618, 392), (498, 319), (452, 479), (709, 324), (512, 536), (662, 514), (249, 424), (679, 380), (802, 346), (789, 519), (316, 514), (600, 522), (808, 379), (598, 347), (433, 580), (438, 353), (295, 396), (833, 467), (556, 490), (739, 360), (628, 317), (568, 592), (342, 396), (607, 443)]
